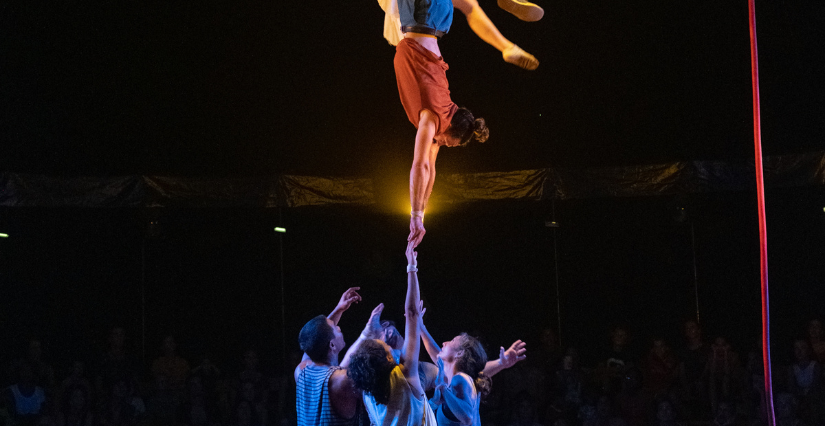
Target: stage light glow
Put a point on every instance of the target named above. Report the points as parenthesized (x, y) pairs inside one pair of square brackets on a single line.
[(279, 229), (4, 235)]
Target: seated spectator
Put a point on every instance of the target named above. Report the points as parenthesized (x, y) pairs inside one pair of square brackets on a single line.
[(208, 372), (250, 384), (164, 401), (198, 410), (694, 373), (603, 414), (805, 374), (76, 408), (816, 338), (616, 360), (24, 399), (42, 373), (569, 385), (751, 402), (724, 372), (121, 406), (633, 400), (660, 369), (665, 413), (77, 378), (172, 367), (115, 364)]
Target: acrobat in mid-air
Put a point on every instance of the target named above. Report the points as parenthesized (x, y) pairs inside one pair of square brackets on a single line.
[(415, 27)]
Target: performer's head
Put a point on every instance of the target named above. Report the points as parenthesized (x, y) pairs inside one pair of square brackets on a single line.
[(469, 357), (321, 339), (464, 128), (370, 368)]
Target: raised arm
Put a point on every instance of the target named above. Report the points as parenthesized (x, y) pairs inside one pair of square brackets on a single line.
[(371, 331), (431, 181), (347, 299), (420, 175), (412, 343), (429, 343), (506, 359)]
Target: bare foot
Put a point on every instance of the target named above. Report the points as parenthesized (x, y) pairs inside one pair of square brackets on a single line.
[(523, 10), (520, 58)]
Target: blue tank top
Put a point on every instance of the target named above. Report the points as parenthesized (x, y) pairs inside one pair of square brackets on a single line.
[(430, 14), (443, 420), (312, 401)]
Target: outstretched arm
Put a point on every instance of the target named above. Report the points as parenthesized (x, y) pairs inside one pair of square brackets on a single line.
[(506, 359), (433, 154), (429, 343), (371, 331), (347, 299), (412, 342), (420, 172)]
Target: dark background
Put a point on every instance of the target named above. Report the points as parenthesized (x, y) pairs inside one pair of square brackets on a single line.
[(243, 88)]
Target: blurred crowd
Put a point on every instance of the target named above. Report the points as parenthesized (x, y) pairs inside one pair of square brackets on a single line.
[(627, 383)]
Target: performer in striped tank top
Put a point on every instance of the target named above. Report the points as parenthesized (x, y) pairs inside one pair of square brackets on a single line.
[(325, 395)]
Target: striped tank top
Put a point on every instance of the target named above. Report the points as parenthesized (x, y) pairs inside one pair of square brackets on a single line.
[(312, 401)]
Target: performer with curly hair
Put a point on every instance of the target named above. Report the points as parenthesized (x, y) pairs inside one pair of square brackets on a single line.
[(393, 395)]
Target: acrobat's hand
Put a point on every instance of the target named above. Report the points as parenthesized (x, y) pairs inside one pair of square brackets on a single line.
[(417, 230), (512, 355), (373, 328)]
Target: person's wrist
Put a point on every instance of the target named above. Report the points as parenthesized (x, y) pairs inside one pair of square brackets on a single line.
[(412, 268), (417, 213)]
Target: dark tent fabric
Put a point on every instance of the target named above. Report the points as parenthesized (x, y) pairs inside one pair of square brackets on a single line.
[(26, 190)]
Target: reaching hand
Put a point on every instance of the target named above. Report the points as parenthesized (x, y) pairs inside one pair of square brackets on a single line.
[(412, 256), (512, 355), (417, 230), (421, 311), (348, 298), (373, 328)]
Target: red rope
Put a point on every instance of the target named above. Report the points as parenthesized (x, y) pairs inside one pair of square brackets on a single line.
[(763, 236)]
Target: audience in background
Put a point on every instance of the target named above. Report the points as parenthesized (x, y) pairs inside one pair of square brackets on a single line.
[(697, 384), (660, 369), (25, 400)]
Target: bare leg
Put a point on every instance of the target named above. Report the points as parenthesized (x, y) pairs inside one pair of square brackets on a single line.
[(487, 31), (523, 10)]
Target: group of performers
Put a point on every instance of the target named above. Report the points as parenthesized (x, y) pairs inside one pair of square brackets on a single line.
[(381, 371)]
